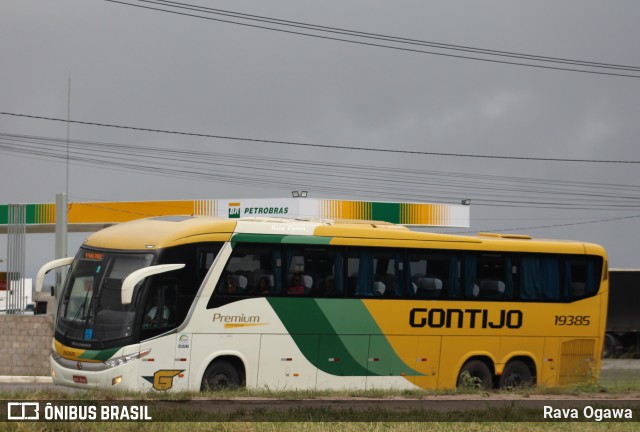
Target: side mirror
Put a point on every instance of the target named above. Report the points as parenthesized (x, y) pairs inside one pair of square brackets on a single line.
[(47, 268), (134, 278)]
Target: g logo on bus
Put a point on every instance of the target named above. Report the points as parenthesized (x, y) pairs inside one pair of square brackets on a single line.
[(163, 379), (79, 365)]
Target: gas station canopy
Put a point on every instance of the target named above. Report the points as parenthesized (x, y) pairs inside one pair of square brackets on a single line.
[(92, 216)]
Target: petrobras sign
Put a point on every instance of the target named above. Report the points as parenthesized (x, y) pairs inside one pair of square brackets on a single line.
[(92, 216), (417, 214), (256, 208)]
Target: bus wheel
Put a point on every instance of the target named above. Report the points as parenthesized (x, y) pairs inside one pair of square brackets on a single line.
[(475, 374), (516, 374), (220, 375)]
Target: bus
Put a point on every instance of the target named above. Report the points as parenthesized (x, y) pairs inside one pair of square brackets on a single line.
[(179, 303)]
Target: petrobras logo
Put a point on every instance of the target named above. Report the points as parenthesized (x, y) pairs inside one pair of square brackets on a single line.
[(266, 211), (234, 210)]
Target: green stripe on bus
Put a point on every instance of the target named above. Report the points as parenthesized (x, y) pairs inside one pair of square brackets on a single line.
[(342, 342), (355, 318), (101, 355), (302, 317)]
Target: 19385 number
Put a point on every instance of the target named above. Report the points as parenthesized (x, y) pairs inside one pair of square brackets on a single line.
[(572, 320)]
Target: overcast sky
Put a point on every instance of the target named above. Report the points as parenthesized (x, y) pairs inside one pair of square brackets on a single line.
[(142, 68)]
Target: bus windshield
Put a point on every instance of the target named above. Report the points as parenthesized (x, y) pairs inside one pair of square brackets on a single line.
[(91, 311)]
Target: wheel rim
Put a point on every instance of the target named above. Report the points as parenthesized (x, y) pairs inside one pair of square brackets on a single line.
[(220, 381), (517, 375), (515, 379)]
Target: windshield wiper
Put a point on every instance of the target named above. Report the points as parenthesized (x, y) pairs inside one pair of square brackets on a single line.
[(79, 313)]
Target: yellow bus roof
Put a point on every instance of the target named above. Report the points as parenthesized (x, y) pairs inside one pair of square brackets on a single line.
[(161, 232), (166, 231)]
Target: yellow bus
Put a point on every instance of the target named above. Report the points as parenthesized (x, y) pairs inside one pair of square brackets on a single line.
[(189, 303)]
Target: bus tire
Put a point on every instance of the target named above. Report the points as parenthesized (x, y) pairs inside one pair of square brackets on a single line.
[(475, 374), (516, 374), (220, 375)]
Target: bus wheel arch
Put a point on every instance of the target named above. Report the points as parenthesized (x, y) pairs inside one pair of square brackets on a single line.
[(518, 372), (224, 372), (477, 372)]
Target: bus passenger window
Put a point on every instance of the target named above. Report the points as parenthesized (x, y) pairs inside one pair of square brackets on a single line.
[(159, 312), (582, 276), (375, 273), (489, 277), (205, 260), (539, 277), (297, 286), (326, 288), (252, 270), (233, 284), (432, 275), (314, 271)]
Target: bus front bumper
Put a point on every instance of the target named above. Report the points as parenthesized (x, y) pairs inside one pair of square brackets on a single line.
[(89, 375)]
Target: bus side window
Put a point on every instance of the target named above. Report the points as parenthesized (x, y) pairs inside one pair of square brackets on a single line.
[(314, 270), (159, 310), (581, 277), (375, 272), (432, 275), (252, 270), (205, 260), (539, 277), (360, 273), (197, 258), (489, 276)]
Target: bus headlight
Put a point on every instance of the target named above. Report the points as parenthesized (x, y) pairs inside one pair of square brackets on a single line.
[(117, 361)]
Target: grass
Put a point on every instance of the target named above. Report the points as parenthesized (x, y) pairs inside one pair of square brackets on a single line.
[(315, 411), (621, 387), (324, 426)]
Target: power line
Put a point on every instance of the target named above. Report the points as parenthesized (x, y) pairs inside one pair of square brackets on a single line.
[(495, 191), (350, 189), (379, 36), (553, 225), (183, 6), (327, 146)]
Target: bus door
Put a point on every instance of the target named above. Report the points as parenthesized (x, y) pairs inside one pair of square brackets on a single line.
[(166, 365)]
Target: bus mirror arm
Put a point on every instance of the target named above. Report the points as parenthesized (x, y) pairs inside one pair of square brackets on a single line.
[(47, 268), (132, 280)]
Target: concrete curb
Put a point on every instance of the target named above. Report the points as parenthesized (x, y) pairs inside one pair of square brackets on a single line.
[(5, 379)]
